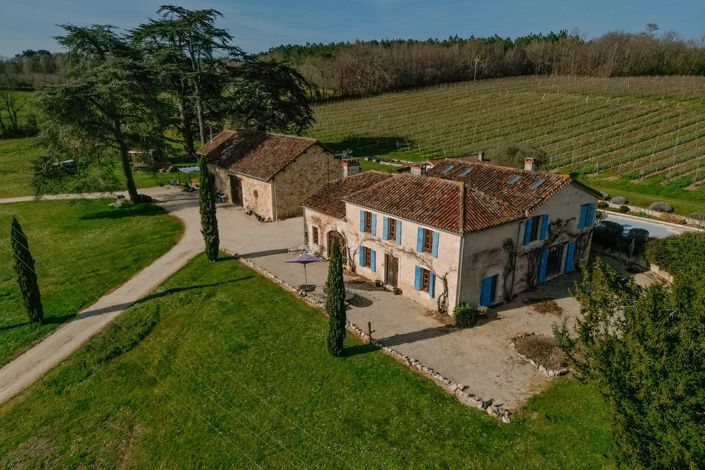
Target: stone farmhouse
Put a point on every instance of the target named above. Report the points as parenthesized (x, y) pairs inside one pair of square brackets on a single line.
[(462, 231), (269, 174)]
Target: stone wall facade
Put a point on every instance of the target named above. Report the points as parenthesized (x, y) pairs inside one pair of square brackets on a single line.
[(462, 262), (304, 176)]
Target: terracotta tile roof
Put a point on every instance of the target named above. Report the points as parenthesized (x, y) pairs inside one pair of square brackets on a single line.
[(521, 190), (434, 202), (329, 199), (251, 153)]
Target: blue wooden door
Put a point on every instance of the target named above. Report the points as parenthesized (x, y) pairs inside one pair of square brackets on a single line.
[(543, 266)]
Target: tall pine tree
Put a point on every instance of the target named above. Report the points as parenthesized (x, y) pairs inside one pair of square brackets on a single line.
[(26, 275), (209, 222), (335, 303)]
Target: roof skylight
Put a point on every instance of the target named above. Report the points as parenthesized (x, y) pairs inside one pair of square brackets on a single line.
[(466, 171), (537, 183), (448, 169), (514, 179)]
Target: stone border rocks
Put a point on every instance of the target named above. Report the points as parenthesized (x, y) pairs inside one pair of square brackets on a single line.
[(459, 391), (549, 373)]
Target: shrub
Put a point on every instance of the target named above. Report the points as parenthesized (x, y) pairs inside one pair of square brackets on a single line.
[(620, 200), (680, 254), (465, 315), (639, 236), (661, 207), (623, 209), (602, 205), (699, 216), (608, 234)]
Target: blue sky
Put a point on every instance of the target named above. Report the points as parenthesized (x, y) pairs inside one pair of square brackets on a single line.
[(257, 25)]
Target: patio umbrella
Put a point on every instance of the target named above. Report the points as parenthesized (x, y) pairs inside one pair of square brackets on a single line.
[(305, 259)]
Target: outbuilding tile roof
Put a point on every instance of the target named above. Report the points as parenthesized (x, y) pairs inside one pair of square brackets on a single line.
[(257, 154), (329, 199)]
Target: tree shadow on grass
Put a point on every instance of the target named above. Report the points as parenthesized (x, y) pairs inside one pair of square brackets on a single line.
[(359, 349), (132, 210), (176, 290), (367, 146), (47, 321)]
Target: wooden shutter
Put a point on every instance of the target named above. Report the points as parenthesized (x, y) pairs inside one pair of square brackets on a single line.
[(543, 266), (434, 245), (398, 224), (373, 260), (373, 225), (417, 278), (544, 226), (362, 220), (432, 284), (362, 256), (583, 216), (570, 258), (419, 240), (527, 231), (385, 228)]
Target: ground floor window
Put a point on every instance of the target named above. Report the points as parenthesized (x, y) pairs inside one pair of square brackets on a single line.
[(314, 235), (367, 258), (488, 290), (425, 281)]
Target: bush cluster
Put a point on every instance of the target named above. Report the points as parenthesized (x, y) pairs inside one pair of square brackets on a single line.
[(679, 255), (661, 207), (623, 209), (465, 315), (620, 200)]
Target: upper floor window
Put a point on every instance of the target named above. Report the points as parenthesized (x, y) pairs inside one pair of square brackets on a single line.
[(392, 229), (368, 222), (587, 215), (427, 241), (536, 228)]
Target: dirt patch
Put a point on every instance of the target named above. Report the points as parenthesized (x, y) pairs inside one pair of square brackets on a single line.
[(542, 350), (545, 305), (31, 452), (441, 318)]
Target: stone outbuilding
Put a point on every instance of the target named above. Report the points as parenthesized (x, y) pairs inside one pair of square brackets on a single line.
[(269, 174), (461, 231)]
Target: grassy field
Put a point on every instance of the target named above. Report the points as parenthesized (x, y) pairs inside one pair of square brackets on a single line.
[(646, 131), (16, 157), (203, 373), (81, 250)]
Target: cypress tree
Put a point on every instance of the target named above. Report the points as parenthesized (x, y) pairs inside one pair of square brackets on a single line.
[(335, 302), (209, 222), (26, 275)]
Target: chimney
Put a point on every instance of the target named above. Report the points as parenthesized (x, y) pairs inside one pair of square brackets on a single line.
[(480, 156), (419, 169), (530, 164), (351, 166)]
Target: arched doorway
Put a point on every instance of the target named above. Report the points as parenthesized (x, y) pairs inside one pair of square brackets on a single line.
[(333, 235)]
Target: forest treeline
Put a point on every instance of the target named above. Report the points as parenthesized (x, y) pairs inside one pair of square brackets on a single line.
[(365, 68)]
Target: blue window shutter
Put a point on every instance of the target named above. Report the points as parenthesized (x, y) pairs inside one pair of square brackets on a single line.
[(419, 240), (362, 256), (570, 258), (591, 215), (527, 231), (544, 226), (544, 266), (432, 285), (362, 220), (417, 278), (373, 261), (583, 216), (398, 232), (385, 227), (486, 291), (434, 246), (373, 226)]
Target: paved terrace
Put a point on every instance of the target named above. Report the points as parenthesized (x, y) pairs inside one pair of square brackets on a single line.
[(479, 357)]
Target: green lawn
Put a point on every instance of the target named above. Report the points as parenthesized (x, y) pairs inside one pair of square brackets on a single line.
[(16, 157), (221, 368), (81, 249)]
